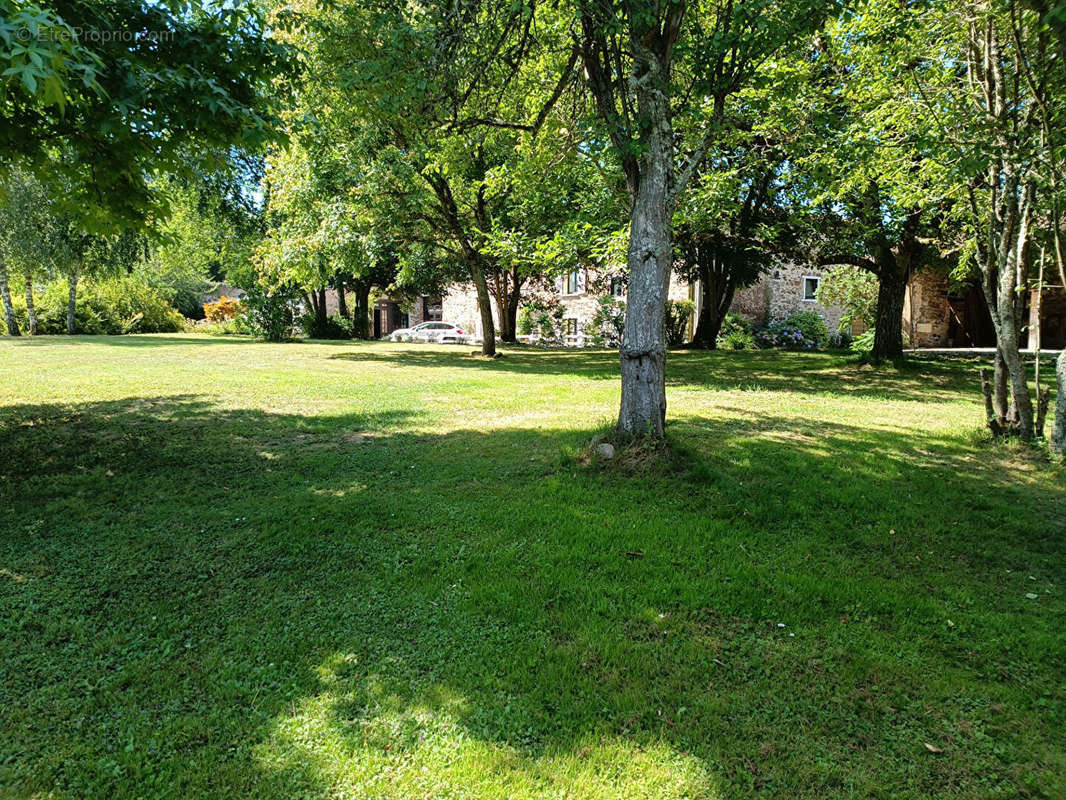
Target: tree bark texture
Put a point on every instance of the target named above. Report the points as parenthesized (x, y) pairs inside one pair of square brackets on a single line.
[(361, 311), (31, 308), (888, 323), (650, 257), (5, 296), (1058, 431)]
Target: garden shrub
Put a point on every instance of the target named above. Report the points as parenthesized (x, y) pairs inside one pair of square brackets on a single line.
[(543, 317), (736, 333), (863, 344), (812, 325), (270, 313), (332, 327), (112, 307), (840, 340), (222, 309)]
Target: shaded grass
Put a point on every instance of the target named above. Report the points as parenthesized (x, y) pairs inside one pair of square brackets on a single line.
[(379, 571)]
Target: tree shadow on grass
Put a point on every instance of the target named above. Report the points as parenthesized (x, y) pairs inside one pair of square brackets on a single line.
[(762, 371), (206, 601)]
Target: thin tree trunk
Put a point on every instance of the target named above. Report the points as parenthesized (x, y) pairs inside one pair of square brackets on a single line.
[(72, 303), (1004, 318), (1058, 432), (320, 310), (650, 257), (509, 322), (342, 301), (1000, 396), (361, 312), (488, 327), (507, 302), (31, 308), (9, 308), (888, 323)]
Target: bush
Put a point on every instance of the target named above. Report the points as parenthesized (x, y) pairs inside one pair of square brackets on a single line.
[(735, 333), (541, 316), (237, 326), (222, 309), (784, 335), (608, 323), (840, 340), (863, 344), (332, 327), (813, 327), (677, 314), (111, 307), (270, 314), (737, 340), (732, 323)]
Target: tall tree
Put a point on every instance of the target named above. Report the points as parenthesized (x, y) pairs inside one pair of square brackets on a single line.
[(436, 104), (726, 231), (879, 198), (661, 75), (171, 84)]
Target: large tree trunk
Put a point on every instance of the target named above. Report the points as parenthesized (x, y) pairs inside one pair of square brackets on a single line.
[(1058, 432), (361, 312), (650, 258), (31, 308), (888, 324), (716, 296), (9, 308), (72, 303)]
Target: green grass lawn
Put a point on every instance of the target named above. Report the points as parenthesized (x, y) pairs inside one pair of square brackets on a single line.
[(231, 569)]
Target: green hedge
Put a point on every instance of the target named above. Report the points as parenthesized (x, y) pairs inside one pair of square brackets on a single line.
[(114, 306)]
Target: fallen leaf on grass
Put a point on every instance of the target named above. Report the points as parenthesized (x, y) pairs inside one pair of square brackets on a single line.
[(932, 748)]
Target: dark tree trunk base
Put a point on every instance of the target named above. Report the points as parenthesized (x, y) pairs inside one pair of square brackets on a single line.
[(888, 325)]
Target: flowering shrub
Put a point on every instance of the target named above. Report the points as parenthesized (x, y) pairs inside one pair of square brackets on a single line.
[(802, 331), (812, 325), (781, 334), (222, 309)]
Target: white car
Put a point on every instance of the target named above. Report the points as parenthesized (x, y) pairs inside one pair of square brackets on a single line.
[(434, 332)]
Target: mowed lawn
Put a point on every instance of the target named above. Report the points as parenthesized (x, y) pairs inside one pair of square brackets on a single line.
[(234, 569)]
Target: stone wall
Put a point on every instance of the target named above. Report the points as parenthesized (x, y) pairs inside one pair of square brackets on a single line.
[(779, 294), (926, 311), (459, 307)]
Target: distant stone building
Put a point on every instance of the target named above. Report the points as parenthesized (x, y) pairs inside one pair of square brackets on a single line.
[(937, 315), (934, 314), (783, 291)]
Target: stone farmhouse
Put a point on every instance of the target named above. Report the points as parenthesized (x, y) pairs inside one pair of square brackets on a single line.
[(934, 315), (784, 290)]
